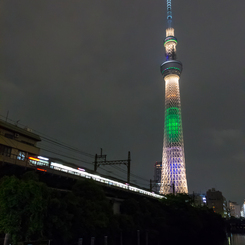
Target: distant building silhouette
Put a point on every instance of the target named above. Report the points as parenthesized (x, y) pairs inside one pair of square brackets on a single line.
[(216, 201), (199, 200), (235, 209), (243, 210), (157, 176)]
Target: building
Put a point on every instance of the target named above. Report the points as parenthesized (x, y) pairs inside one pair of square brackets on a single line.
[(234, 209), (17, 143), (199, 200), (243, 210), (173, 157), (217, 202), (157, 176)]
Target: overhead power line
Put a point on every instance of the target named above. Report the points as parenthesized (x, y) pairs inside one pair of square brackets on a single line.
[(48, 141), (69, 157), (53, 140)]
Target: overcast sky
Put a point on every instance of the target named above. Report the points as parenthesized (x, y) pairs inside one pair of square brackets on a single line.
[(87, 73)]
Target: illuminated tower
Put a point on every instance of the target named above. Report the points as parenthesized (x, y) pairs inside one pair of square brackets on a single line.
[(173, 158)]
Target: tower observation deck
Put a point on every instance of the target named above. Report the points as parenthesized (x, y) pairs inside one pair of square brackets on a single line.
[(173, 179)]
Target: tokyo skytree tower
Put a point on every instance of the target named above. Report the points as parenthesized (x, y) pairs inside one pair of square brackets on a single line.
[(173, 178)]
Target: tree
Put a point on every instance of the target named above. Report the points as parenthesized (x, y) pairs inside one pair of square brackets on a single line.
[(93, 210), (23, 205), (58, 223)]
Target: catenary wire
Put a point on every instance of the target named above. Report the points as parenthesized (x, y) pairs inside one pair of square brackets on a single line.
[(53, 141)]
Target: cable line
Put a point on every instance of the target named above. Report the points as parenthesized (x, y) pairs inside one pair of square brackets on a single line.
[(66, 156), (52, 144), (53, 140)]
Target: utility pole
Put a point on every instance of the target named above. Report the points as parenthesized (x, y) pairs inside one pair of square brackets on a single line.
[(146, 237), (80, 241), (95, 163), (138, 237), (153, 183), (102, 162), (7, 238), (101, 156), (121, 238), (129, 162)]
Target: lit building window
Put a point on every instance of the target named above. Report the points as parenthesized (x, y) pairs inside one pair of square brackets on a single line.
[(21, 156)]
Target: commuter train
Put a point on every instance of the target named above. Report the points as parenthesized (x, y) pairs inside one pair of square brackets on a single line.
[(46, 162)]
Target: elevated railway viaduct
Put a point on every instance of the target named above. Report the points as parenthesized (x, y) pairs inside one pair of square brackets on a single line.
[(64, 180)]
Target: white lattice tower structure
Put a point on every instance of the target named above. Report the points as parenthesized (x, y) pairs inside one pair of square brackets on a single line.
[(173, 158)]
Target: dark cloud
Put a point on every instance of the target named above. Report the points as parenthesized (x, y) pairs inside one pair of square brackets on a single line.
[(87, 73)]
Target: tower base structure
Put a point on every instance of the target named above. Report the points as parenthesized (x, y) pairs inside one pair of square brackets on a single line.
[(173, 160)]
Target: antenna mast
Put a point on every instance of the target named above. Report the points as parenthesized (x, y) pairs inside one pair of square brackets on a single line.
[(169, 13)]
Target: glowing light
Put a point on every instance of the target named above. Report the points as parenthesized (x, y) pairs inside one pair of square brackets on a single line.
[(170, 40), (40, 169), (170, 32), (34, 159), (43, 158), (171, 95), (171, 68), (81, 169), (172, 123)]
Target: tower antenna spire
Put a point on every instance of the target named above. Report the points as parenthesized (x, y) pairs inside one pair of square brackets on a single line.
[(169, 13)]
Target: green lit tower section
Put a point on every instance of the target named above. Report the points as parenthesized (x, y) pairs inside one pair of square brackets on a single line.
[(173, 178)]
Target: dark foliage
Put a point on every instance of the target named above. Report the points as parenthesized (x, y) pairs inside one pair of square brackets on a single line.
[(29, 210)]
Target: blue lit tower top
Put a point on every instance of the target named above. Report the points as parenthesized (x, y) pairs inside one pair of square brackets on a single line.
[(171, 65), (169, 13)]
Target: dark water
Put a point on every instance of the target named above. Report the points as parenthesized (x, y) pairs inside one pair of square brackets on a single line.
[(236, 239)]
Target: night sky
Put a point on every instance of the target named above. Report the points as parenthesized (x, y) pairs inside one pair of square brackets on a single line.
[(87, 73)]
